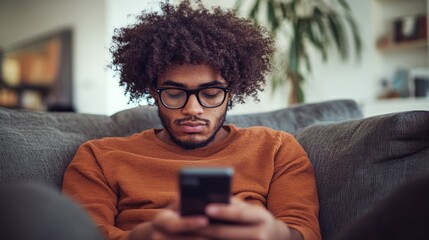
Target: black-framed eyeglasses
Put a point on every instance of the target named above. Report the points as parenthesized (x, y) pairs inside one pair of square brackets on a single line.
[(175, 98)]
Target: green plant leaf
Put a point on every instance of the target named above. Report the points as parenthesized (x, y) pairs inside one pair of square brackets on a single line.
[(272, 19), (316, 41), (284, 9), (344, 4), (356, 37), (301, 95), (307, 61), (287, 10), (255, 9), (339, 35), (319, 19), (238, 4), (294, 54)]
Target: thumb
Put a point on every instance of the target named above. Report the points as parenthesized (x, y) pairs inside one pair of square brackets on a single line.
[(174, 205)]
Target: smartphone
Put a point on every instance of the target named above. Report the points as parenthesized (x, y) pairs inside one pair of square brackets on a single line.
[(201, 186)]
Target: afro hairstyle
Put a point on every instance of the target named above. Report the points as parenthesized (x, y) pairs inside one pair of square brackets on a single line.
[(185, 34)]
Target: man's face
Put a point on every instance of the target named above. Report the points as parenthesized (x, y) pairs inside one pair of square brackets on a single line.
[(193, 125)]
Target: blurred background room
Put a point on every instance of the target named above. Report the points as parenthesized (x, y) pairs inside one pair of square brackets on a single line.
[(54, 54)]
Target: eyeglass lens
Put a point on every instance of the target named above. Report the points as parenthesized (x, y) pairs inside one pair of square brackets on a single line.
[(208, 97)]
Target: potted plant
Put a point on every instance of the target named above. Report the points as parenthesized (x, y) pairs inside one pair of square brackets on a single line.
[(304, 23)]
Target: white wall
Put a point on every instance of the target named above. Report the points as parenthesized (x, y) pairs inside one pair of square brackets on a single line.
[(24, 19), (119, 14), (354, 78), (97, 91)]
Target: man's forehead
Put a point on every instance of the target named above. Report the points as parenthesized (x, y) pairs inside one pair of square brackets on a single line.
[(188, 75), (192, 84)]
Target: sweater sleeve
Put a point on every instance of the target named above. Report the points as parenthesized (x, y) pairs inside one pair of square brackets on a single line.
[(292, 197), (85, 182)]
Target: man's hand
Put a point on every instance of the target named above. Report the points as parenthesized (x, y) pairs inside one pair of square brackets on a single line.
[(252, 222), (168, 224)]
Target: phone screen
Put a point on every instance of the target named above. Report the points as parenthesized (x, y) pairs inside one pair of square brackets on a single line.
[(201, 186)]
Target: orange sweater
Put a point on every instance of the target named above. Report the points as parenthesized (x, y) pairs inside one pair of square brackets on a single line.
[(125, 181)]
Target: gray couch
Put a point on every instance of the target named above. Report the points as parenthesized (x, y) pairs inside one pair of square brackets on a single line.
[(357, 161)]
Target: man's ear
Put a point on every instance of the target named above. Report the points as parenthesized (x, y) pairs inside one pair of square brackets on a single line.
[(230, 102), (230, 96)]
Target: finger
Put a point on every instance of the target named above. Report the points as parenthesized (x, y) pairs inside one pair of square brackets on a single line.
[(174, 204), (238, 201), (237, 212), (233, 232), (170, 222), (165, 236), (234, 202)]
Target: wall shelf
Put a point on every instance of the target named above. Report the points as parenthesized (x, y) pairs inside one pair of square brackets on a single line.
[(400, 49), (403, 45)]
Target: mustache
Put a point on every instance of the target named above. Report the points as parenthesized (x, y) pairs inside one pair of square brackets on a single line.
[(191, 119)]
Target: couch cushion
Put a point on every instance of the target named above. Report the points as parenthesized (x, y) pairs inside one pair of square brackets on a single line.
[(297, 117), (38, 146), (359, 162)]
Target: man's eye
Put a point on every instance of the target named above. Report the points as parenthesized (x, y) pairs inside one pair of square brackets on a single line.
[(211, 93), (175, 94)]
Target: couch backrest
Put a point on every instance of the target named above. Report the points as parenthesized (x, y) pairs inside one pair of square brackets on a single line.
[(291, 119), (38, 146)]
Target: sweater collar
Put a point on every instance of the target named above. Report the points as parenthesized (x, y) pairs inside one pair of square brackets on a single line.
[(200, 152)]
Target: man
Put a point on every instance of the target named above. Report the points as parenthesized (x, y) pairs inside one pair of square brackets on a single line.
[(195, 63)]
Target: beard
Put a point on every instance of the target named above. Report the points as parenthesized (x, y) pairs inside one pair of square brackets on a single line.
[(192, 143)]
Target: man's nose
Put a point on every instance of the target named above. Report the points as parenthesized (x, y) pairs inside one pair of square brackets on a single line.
[(192, 107)]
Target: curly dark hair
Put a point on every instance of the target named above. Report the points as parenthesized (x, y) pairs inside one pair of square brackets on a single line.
[(240, 50)]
